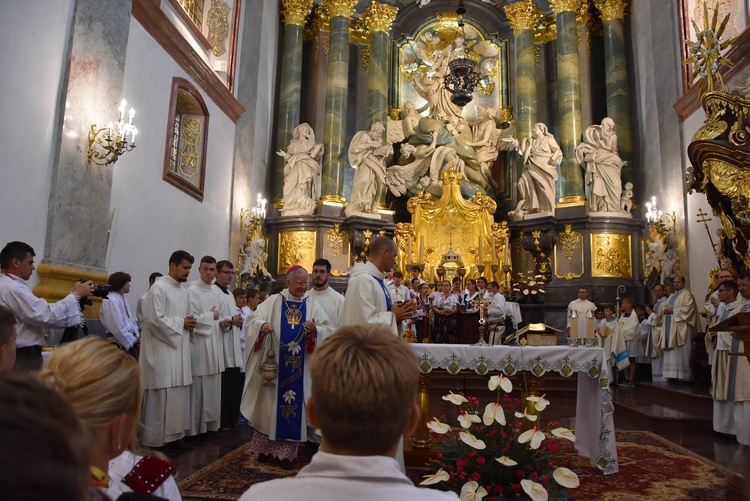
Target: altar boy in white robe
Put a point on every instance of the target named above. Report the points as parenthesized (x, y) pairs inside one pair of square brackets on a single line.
[(328, 298), (287, 324), (165, 363), (206, 351)]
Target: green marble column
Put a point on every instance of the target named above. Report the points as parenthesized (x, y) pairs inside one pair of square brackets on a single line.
[(337, 88), (523, 18), (288, 112), (616, 69), (569, 100)]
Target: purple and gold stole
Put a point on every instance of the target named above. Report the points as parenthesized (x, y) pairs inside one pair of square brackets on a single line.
[(291, 389)]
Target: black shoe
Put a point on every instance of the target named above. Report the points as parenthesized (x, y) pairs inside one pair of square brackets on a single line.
[(286, 464)]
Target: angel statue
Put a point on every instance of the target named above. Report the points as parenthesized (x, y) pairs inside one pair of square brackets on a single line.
[(598, 155), (413, 164), (488, 140), (301, 171), (254, 259), (367, 154), (536, 188)]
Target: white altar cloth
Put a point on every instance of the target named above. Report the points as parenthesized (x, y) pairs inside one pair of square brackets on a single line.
[(594, 427)]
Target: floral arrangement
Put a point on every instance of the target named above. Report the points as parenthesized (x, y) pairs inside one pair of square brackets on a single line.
[(528, 289), (492, 456)]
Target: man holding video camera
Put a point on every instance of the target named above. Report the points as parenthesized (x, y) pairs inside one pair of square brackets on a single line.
[(35, 315)]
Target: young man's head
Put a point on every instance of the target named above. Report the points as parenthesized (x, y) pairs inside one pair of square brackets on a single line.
[(640, 311), (7, 339), (207, 269), (180, 264), (609, 312), (493, 287), (17, 258), (599, 313), (743, 282), (364, 391), (679, 282), (583, 293), (320, 271), (253, 299), (224, 273), (152, 278), (659, 291), (382, 253), (397, 278), (240, 297), (119, 282), (728, 291), (414, 272)]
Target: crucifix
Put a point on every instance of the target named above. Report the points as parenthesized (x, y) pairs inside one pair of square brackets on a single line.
[(703, 219)]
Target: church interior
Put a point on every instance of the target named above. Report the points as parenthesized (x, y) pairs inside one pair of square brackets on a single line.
[(601, 144)]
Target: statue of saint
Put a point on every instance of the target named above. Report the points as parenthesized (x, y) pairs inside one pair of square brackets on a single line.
[(598, 155), (254, 260), (301, 171), (367, 154), (536, 188)]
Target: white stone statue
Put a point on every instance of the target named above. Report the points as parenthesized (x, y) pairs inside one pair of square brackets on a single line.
[(488, 140), (536, 188), (598, 155), (399, 130), (626, 199), (413, 164), (430, 85), (367, 154), (255, 259), (301, 171)]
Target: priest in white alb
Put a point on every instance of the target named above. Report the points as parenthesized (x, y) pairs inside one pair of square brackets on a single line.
[(655, 322), (584, 309), (206, 350), (326, 296), (680, 325), (166, 367), (287, 327), (630, 329)]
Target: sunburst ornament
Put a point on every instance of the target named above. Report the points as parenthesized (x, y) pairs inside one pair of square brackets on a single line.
[(705, 51)]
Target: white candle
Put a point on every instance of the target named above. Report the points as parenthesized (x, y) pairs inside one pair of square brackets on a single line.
[(132, 114), (494, 252), (121, 109)]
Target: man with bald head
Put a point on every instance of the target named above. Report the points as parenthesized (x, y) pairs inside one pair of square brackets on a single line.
[(367, 300), (286, 327), (680, 325)]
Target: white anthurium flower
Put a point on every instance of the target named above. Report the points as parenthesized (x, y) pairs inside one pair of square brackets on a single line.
[(526, 292), (293, 347), (501, 381), (533, 292), (439, 476), (289, 396), (472, 491), (455, 399), (494, 412), (532, 282), (506, 461), (465, 419), (541, 291), (471, 440), (530, 417), (566, 478), (564, 433), (436, 426), (533, 436), (536, 491), (540, 403)]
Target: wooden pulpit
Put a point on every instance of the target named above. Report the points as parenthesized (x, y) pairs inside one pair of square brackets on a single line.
[(739, 326)]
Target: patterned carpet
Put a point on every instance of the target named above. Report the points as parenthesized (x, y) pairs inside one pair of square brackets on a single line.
[(651, 468)]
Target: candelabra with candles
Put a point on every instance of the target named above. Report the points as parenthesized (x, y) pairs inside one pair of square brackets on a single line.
[(662, 222), (253, 256), (106, 144)]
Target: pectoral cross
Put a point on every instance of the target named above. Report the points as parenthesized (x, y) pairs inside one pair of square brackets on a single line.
[(293, 316)]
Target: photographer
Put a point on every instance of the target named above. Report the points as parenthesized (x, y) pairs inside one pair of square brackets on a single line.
[(35, 315), (115, 314)]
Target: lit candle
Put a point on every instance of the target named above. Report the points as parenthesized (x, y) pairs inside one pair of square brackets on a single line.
[(132, 114), (421, 250), (135, 131), (109, 130), (121, 109), (494, 252), (481, 260)]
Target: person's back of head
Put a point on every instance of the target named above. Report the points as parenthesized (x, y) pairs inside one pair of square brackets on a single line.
[(45, 450), (102, 383), (364, 390)]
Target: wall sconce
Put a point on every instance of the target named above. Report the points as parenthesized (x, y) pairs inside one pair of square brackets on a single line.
[(106, 144), (259, 211), (661, 221)]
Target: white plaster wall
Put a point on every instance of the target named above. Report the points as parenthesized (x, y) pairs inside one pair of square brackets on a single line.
[(35, 36), (156, 218)]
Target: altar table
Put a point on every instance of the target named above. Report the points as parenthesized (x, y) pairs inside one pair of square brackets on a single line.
[(594, 426)]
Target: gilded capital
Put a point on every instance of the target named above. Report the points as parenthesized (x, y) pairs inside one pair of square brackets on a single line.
[(560, 6), (379, 17), (340, 8), (523, 15), (545, 29), (611, 9), (295, 11), (584, 16)]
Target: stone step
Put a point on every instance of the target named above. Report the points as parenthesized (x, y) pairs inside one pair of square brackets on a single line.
[(663, 408)]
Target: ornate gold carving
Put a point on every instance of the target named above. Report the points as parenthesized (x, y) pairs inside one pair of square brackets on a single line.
[(505, 114), (336, 238), (218, 26), (190, 147), (572, 201), (560, 6), (611, 255), (340, 8), (332, 200), (358, 33), (545, 29), (366, 57), (296, 247), (706, 50), (611, 9), (379, 17), (296, 11), (523, 15), (730, 180), (584, 16), (569, 241), (55, 283)]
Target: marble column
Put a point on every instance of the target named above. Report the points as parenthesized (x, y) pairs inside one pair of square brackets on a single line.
[(616, 69), (569, 100), (337, 88), (523, 19), (288, 113), (583, 28)]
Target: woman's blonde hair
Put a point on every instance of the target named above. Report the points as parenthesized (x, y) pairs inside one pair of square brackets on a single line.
[(100, 381)]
